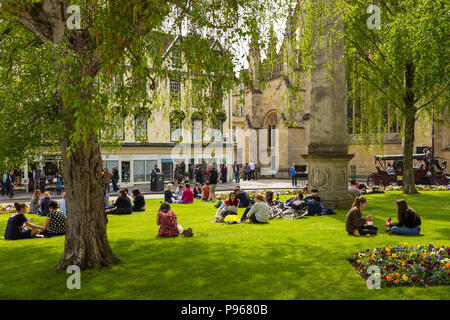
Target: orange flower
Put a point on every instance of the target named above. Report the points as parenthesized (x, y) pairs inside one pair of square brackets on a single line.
[(396, 282), (403, 268), (447, 265), (389, 277), (397, 275)]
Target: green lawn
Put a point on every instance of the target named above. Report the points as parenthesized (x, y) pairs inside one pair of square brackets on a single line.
[(300, 259)]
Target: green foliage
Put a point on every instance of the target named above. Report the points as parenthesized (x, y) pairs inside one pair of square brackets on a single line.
[(113, 66)]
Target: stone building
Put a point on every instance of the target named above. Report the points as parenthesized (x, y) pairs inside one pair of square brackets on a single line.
[(258, 109)]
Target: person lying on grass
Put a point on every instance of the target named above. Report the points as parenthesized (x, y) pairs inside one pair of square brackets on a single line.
[(228, 207), (167, 220), (138, 201), (15, 228), (408, 220), (188, 195), (258, 213), (355, 224), (56, 222), (122, 204)]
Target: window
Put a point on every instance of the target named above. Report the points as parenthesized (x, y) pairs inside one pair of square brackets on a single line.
[(139, 170), (197, 130), (119, 132), (140, 125), (175, 92), (110, 164), (176, 58), (175, 130), (217, 131)]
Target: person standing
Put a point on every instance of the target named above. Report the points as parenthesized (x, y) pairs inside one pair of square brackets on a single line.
[(115, 178), (252, 170), (59, 181), (199, 175), (223, 173), (236, 172), (246, 172), (293, 175), (36, 178), (212, 182), (156, 169), (106, 179), (42, 182), (5, 183)]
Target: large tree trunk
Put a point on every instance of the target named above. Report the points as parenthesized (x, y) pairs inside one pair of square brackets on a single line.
[(409, 183), (86, 244)]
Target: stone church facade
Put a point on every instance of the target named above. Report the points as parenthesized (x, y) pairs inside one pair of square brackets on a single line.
[(260, 113)]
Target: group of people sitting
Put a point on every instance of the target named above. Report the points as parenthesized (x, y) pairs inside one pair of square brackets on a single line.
[(409, 222), (39, 203), (125, 204), (55, 224)]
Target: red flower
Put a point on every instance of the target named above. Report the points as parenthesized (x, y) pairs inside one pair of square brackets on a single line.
[(415, 278)]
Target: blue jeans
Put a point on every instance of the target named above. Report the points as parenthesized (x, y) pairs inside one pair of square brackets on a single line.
[(406, 231), (115, 187), (58, 187), (294, 181)]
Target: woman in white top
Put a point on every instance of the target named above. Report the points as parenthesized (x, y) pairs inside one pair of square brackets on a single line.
[(228, 207)]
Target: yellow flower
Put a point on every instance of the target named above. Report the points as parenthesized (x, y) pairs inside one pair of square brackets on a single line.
[(404, 243), (404, 277), (394, 255)]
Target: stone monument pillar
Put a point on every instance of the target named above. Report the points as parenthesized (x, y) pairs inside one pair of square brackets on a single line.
[(328, 156)]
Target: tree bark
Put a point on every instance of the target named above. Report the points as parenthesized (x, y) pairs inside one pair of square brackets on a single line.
[(86, 244), (409, 183)]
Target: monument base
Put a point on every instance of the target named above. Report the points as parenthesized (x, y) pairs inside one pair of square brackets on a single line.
[(329, 174)]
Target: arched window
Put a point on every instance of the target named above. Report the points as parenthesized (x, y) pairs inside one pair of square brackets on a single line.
[(271, 124)]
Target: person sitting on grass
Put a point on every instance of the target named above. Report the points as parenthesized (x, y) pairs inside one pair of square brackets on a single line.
[(35, 206), (15, 227), (314, 192), (138, 201), (197, 191), (188, 195), (244, 198), (258, 213), (169, 197), (315, 206), (205, 192), (122, 204), (167, 220), (408, 220), (228, 207), (355, 224), (44, 203), (56, 222), (179, 192)]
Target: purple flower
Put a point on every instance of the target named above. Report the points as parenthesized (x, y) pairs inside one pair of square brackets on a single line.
[(431, 246)]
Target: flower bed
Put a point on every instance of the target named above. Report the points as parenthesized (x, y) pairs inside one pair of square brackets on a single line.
[(404, 265), (419, 188)]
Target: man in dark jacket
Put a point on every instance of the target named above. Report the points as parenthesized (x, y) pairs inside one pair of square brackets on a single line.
[(244, 198), (115, 178), (212, 182)]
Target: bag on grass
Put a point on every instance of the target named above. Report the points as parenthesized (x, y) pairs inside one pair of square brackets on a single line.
[(188, 232)]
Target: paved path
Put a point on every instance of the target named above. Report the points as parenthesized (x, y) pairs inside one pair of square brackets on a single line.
[(145, 189)]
